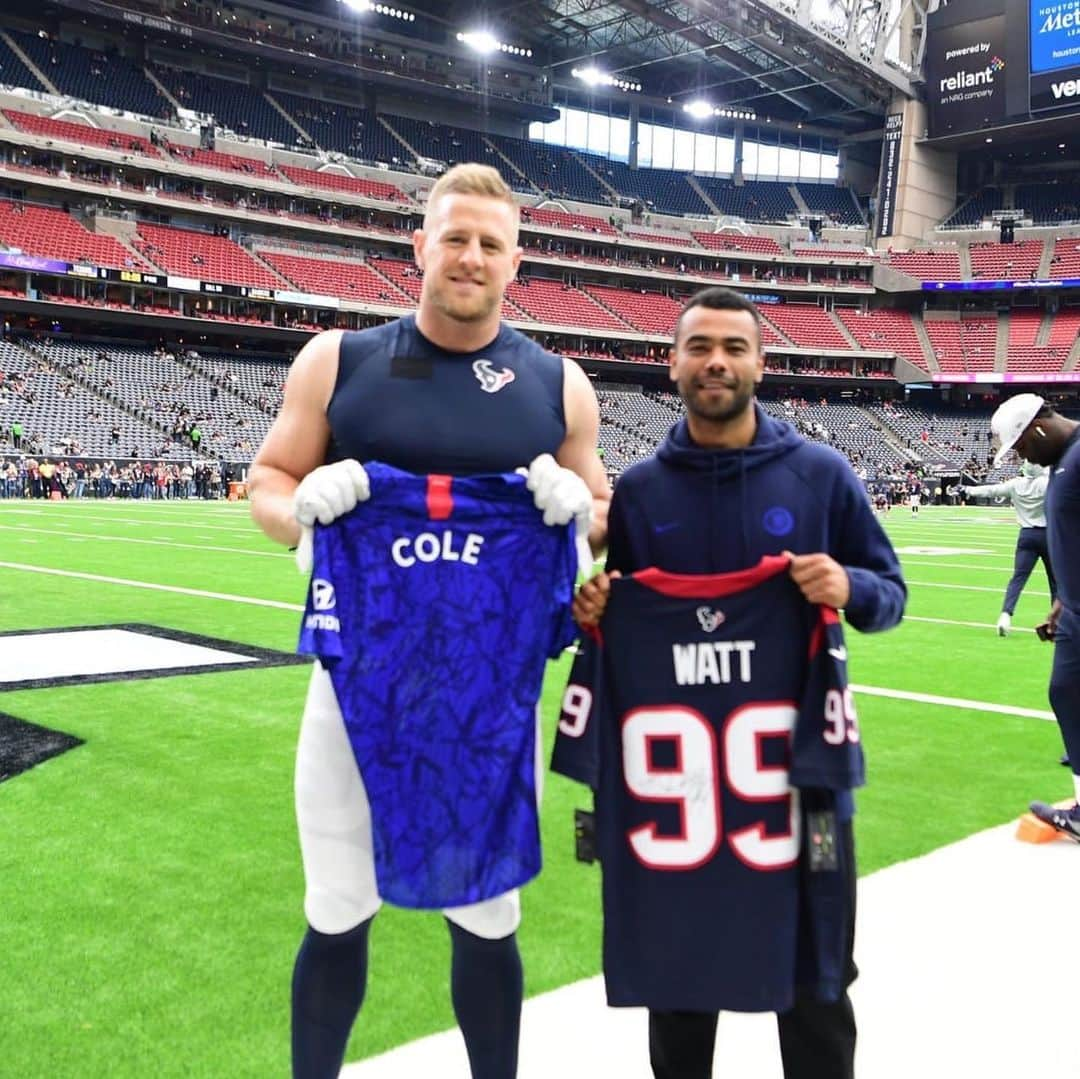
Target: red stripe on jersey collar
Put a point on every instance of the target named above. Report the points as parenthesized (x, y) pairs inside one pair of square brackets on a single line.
[(711, 585), (440, 502)]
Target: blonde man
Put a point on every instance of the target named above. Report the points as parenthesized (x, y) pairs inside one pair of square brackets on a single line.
[(448, 390)]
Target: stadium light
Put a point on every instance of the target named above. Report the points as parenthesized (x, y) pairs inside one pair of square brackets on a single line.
[(485, 43), (702, 110), (363, 6), (592, 76)]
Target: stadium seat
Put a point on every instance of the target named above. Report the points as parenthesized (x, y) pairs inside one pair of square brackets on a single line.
[(201, 255)]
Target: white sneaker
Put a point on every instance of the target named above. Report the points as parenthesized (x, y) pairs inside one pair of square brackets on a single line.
[(1004, 623)]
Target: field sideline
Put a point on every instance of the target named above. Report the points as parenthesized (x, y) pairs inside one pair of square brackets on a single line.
[(150, 878)]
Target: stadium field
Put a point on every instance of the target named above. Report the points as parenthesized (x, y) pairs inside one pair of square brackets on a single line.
[(150, 880)]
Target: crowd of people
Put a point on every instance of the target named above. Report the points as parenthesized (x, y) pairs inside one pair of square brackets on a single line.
[(29, 477)]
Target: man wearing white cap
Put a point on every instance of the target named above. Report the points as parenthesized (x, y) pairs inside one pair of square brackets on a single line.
[(1027, 424), (1027, 492)]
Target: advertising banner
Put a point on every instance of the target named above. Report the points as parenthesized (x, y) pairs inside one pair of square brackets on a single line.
[(890, 171), (1054, 47), (965, 83)]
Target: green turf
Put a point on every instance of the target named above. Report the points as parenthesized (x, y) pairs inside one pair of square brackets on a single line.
[(150, 880)]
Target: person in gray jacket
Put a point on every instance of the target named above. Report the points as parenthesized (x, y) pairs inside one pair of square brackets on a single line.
[(1027, 492)]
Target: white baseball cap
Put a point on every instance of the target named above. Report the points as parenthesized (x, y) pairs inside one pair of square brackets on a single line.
[(1011, 420)]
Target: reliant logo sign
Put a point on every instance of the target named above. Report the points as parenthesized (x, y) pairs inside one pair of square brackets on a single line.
[(965, 69), (966, 80)]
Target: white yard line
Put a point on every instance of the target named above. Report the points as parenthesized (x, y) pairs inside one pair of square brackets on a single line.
[(970, 587), (954, 702), (920, 561), (969, 625), (201, 525), (961, 975), (194, 592), (163, 541)]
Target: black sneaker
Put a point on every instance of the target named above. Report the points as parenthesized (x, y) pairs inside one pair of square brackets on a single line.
[(1064, 759), (1066, 821)]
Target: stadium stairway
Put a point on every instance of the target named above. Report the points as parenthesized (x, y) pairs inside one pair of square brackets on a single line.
[(1001, 345), (888, 435), (266, 266), (1043, 336), (33, 68), (121, 231), (204, 371), (159, 86), (929, 355), (1045, 264), (397, 135), (797, 198), (692, 181), (113, 399), (596, 176), (611, 310), (289, 118), (1074, 356), (779, 333), (844, 331), (512, 167), (965, 261)]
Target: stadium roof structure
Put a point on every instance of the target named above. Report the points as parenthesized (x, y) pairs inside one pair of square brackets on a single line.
[(827, 67), (824, 63)]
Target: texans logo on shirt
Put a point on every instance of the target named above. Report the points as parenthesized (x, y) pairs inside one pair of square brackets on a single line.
[(709, 618), (491, 381)]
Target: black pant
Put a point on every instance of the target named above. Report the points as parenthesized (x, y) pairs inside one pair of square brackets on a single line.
[(817, 1040), (1065, 684), (1030, 547)]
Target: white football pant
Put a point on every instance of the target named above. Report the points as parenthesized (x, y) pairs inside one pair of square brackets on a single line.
[(334, 819)]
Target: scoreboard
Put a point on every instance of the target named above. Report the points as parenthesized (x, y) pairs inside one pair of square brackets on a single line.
[(991, 63)]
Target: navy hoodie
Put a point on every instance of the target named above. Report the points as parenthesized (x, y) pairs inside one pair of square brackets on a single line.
[(690, 509)]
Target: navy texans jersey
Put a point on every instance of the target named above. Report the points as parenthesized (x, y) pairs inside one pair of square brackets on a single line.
[(709, 715), (434, 605)]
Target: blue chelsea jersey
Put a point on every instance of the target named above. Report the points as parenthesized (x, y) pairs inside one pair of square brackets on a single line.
[(710, 715), (434, 605)]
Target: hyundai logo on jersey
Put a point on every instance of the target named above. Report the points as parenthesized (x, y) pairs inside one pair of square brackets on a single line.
[(322, 595)]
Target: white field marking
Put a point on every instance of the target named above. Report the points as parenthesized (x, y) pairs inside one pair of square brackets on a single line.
[(948, 946), (989, 544), (953, 527), (968, 587), (941, 550), (1004, 564), (195, 592), (954, 702), (971, 625), (252, 531), (162, 541), (77, 653), (296, 607)]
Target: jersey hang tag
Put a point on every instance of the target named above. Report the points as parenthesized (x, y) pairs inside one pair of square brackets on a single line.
[(585, 836), (821, 841), (414, 367)]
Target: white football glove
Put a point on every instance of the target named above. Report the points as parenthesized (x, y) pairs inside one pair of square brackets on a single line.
[(324, 495), (563, 496)]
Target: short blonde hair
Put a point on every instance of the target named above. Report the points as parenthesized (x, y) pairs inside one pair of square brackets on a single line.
[(470, 178)]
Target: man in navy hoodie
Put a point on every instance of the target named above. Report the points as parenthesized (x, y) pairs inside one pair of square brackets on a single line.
[(728, 486)]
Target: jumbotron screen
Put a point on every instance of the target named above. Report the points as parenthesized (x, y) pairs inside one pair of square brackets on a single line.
[(996, 62)]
